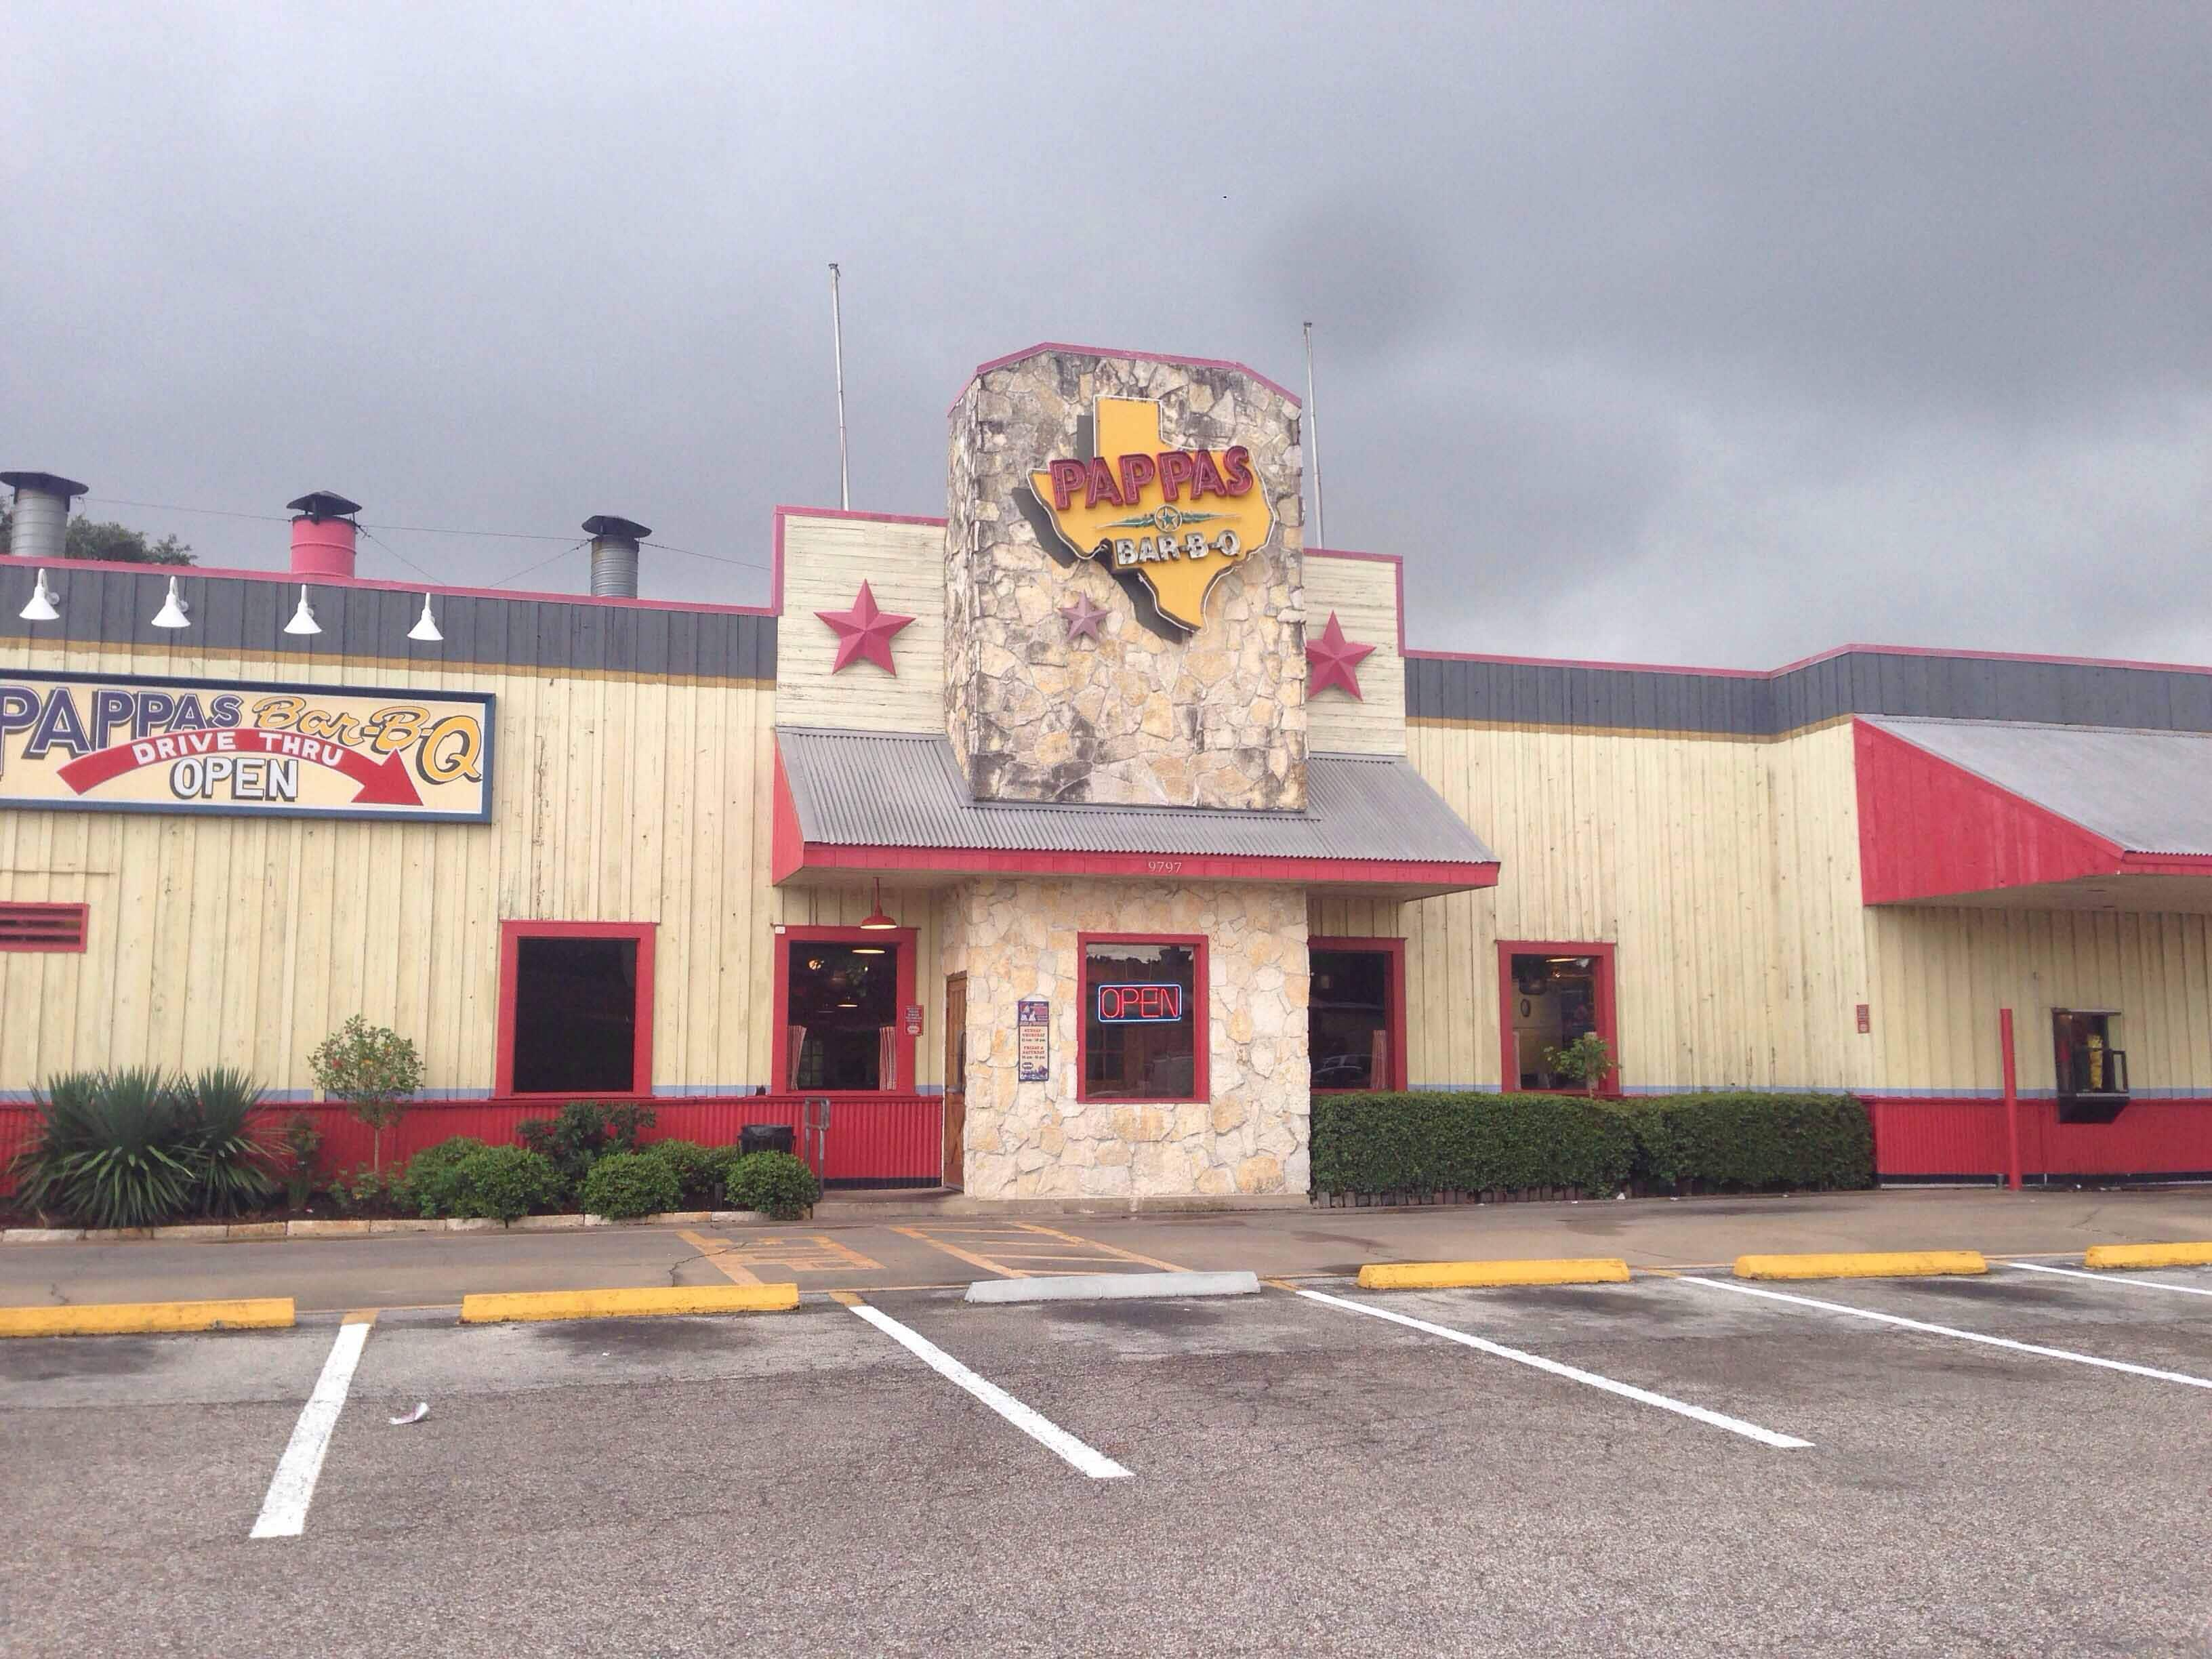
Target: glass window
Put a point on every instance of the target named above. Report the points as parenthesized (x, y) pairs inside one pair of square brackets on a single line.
[(1349, 1023), (575, 1016), (842, 1012), (1552, 998), (1141, 1021), (2089, 1060)]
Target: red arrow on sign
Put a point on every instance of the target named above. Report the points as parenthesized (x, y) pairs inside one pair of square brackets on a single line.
[(385, 784)]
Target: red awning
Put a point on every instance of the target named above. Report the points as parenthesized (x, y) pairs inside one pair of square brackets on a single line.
[(2027, 816)]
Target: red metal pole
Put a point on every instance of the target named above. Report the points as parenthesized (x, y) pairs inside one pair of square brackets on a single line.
[(2011, 1101)]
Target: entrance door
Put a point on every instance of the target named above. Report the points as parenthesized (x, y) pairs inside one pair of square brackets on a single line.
[(956, 1080)]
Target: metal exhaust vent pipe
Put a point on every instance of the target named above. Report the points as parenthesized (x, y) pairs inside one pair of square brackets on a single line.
[(41, 529), (323, 534), (614, 554)]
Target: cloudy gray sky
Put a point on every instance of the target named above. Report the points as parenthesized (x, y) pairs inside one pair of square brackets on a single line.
[(1695, 334)]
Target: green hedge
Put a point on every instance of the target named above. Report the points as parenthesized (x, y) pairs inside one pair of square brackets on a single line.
[(1468, 1142), (1748, 1142), (1479, 1143), (622, 1186), (776, 1184)]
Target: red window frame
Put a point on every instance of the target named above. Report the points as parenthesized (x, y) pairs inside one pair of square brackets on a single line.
[(1509, 1077), (1394, 1003), (906, 938), (511, 935), (1201, 1027), (43, 928)]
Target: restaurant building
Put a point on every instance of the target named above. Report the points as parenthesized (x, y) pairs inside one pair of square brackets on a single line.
[(1061, 849)]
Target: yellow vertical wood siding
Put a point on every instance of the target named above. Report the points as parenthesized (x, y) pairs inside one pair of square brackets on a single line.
[(1943, 973), (1724, 871), (243, 941)]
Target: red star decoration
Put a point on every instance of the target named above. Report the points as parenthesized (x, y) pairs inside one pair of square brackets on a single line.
[(864, 632), (1334, 660)]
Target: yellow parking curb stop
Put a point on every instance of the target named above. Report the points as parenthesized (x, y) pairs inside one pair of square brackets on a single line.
[(497, 1308), (1862, 1264), (2147, 1255), (139, 1318), (1466, 1275)]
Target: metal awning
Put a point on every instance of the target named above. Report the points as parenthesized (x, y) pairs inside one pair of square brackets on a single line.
[(2031, 815), (887, 802)]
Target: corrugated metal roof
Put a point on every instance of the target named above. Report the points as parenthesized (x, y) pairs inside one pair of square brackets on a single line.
[(899, 789), (2149, 792)]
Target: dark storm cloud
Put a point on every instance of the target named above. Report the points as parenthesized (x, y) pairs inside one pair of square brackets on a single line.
[(1711, 334)]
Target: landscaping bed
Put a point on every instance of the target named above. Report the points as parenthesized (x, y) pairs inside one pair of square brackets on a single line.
[(145, 1154)]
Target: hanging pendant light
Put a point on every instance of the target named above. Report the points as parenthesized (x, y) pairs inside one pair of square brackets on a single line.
[(426, 625), (303, 619), (875, 922), (41, 607), (172, 613)]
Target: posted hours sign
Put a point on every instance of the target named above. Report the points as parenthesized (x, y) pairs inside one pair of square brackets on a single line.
[(1033, 1040), (125, 743)]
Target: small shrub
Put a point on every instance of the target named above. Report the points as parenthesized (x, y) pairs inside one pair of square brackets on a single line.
[(585, 1131), (429, 1184), (113, 1149), (504, 1183), (231, 1164), (622, 1186), (1585, 1061), (701, 1171), (302, 1159), (374, 1070), (361, 1189), (778, 1185)]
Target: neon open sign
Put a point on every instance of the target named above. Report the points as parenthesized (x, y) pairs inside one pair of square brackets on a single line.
[(1132, 1004)]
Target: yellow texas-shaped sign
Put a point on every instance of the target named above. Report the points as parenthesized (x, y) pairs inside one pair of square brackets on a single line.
[(1175, 518)]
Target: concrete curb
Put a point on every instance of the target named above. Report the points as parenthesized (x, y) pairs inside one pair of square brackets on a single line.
[(138, 1318), (1112, 1287), (238, 1232), (1862, 1264), (502, 1307), (2147, 1255), (1464, 1275)]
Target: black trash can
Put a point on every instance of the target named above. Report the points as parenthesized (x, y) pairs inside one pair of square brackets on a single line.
[(767, 1138)]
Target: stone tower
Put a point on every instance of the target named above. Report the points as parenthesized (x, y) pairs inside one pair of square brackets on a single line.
[(1164, 494)]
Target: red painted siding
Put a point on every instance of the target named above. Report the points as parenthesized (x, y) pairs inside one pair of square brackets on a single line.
[(1918, 1137), (1929, 829)]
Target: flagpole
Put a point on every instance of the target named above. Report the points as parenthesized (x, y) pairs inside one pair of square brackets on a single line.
[(1313, 437), (838, 350)]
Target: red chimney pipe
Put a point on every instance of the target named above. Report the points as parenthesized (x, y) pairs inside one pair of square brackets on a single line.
[(323, 534)]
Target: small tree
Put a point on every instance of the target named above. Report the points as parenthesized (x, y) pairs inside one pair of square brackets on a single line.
[(1586, 1059), (373, 1071)]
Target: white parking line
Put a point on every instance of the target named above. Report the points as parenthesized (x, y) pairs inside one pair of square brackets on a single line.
[(1964, 1336), (284, 1511), (1627, 1391), (2109, 1279), (1097, 1465)]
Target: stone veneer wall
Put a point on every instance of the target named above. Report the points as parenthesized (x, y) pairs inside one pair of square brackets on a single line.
[(1018, 938), (1217, 721)]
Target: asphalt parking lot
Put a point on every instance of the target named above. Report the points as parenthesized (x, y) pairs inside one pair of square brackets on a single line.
[(1281, 1472)]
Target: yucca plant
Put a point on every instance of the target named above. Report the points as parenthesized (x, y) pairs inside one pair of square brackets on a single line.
[(232, 1164), (114, 1149)]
